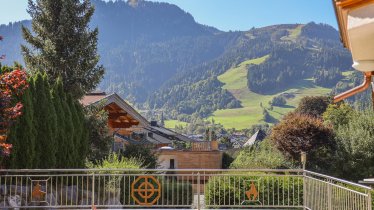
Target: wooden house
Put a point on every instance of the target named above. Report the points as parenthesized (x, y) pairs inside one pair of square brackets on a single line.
[(128, 126)]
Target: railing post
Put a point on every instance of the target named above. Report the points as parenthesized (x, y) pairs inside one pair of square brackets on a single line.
[(369, 200), (303, 162), (198, 191), (304, 190), (93, 191), (329, 195)]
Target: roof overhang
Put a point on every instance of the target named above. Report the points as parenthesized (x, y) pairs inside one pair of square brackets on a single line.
[(115, 102)]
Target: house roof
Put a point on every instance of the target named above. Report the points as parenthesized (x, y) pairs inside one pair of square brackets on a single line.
[(114, 102), (258, 136), (92, 98), (164, 134), (237, 144), (97, 98), (342, 8)]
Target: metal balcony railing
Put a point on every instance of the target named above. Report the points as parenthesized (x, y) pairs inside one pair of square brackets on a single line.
[(187, 188)]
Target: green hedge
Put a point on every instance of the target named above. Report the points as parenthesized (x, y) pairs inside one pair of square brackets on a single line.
[(273, 190)]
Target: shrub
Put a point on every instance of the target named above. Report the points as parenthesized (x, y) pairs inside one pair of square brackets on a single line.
[(176, 192), (226, 160), (111, 183), (230, 190), (141, 152), (263, 155), (120, 182), (114, 161), (278, 101)]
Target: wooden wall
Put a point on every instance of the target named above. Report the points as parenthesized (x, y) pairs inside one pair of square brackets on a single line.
[(191, 159)]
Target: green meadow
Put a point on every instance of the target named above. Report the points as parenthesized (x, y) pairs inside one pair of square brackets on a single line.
[(173, 123), (235, 80)]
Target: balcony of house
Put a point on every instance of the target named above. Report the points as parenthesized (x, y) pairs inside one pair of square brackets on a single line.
[(165, 188)]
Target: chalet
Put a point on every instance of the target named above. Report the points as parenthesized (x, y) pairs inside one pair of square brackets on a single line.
[(130, 127)]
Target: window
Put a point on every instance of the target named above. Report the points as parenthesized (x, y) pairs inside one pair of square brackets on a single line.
[(172, 164)]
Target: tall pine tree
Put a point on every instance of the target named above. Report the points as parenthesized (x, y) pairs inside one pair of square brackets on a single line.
[(63, 45)]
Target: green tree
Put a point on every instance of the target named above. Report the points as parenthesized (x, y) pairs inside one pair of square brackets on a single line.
[(58, 97), (355, 146), (22, 135), (313, 105), (83, 143), (99, 138), (45, 124), (141, 152), (227, 159), (63, 45), (338, 114), (278, 101), (74, 148)]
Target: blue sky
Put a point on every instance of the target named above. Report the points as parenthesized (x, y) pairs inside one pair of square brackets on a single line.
[(224, 14)]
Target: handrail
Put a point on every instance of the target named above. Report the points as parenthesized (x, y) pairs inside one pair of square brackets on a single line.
[(339, 180), (153, 170)]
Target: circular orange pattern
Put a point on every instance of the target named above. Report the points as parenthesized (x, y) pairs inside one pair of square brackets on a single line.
[(148, 192)]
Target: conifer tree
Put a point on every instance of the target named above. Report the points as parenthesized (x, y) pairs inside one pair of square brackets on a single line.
[(45, 124), (58, 97), (83, 140), (22, 135), (63, 45), (67, 146), (74, 141)]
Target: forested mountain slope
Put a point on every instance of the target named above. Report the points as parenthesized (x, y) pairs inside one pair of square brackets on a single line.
[(298, 57)]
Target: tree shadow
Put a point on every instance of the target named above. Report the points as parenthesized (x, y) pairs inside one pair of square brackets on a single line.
[(272, 119)]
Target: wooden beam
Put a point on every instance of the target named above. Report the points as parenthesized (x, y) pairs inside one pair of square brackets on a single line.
[(119, 124), (109, 108), (134, 122), (112, 115)]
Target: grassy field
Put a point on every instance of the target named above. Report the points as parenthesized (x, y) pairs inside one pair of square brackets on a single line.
[(236, 78), (173, 123), (235, 81), (293, 33)]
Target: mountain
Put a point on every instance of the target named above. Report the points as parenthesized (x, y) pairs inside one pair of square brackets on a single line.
[(291, 60), (158, 57)]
